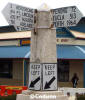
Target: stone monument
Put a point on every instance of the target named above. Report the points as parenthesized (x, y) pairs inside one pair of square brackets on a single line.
[(43, 60)]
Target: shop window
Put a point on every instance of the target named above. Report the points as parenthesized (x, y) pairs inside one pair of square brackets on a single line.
[(6, 68), (63, 70)]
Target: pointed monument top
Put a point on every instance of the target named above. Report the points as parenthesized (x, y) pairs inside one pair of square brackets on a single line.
[(44, 7)]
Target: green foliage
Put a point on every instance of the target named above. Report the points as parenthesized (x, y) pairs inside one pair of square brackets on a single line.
[(13, 97), (81, 97)]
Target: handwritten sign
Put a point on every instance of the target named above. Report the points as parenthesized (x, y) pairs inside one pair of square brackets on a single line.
[(22, 18), (66, 16)]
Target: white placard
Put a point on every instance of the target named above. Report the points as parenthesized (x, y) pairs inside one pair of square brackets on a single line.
[(50, 76), (22, 18), (34, 76), (66, 16)]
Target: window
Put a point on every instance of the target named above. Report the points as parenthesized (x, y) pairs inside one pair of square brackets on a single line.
[(63, 70), (5, 68)]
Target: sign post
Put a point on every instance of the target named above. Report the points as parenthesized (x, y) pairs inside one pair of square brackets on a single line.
[(66, 16), (43, 66), (22, 18)]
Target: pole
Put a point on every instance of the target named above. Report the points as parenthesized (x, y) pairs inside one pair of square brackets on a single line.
[(43, 42), (43, 51), (42, 61)]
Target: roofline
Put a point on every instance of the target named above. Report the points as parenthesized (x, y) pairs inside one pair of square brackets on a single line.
[(14, 39), (56, 59)]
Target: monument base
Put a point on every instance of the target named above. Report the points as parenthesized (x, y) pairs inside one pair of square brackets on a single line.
[(41, 95)]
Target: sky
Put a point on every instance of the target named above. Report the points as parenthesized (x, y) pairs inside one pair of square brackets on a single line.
[(36, 3)]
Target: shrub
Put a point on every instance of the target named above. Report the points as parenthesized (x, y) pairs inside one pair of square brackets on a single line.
[(80, 96), (13, 97)]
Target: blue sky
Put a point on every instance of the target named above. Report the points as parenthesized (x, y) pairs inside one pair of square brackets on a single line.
[(36, 3)]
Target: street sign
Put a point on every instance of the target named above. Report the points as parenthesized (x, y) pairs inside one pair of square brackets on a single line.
[(35, 76), (66, 16), (50, 76), (22, 18)]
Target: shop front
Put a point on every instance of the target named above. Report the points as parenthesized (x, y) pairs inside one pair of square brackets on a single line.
[(70, 60), (70, 49), (71, 55), (14, 62)]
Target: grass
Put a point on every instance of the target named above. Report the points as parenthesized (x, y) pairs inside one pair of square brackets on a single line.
[(13, 97)]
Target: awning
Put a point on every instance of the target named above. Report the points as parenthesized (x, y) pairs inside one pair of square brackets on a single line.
[(15, 52), (63, 52), (70, 52)]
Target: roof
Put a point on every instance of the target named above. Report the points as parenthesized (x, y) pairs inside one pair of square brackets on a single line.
[(4, 29), (15, 35), (78, 34), (82, 21)]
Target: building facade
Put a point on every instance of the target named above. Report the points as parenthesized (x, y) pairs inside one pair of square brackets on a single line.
[(71, 56), (15, 56)]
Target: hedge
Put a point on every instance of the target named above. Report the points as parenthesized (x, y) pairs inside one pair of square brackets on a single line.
[(13, 97)]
